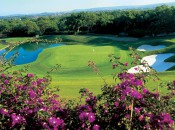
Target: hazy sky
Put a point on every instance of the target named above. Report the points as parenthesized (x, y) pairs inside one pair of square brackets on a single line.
[(8, 7)]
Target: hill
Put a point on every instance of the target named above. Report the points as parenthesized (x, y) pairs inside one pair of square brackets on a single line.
[(151, 6), (137, 7)]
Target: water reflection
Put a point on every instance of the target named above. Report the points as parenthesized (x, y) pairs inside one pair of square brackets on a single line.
[(28, 52)]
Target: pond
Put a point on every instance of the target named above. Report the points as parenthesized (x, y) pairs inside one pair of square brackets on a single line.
[(28, 52)]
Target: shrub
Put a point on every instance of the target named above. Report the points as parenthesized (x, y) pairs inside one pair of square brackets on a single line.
[(24, 103), (27, 103)]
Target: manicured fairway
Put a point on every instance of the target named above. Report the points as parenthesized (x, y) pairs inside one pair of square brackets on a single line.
[(75, 73), (79, 49)]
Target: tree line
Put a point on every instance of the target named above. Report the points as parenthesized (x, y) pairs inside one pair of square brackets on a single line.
[(137, 23)]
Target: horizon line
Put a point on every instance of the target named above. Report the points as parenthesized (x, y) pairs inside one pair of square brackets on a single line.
[(66, 11)]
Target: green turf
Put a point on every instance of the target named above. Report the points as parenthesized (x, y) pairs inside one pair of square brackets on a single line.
[(17, 39), (2, 46), (75, 74)]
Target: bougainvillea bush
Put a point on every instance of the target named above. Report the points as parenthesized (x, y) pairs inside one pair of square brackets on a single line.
[(27, 103)]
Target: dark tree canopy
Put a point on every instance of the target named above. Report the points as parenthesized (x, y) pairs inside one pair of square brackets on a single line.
[(137, 23)]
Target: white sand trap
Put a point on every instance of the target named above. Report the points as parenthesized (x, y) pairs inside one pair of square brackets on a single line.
[(138, 68), (150, 47), (155, 61)]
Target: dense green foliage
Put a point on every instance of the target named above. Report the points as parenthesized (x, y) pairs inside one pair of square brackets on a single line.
[(160, 20)]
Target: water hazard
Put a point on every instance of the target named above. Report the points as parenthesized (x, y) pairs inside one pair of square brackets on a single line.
[(27, 52)]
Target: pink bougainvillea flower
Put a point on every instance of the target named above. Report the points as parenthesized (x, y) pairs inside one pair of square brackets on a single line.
[(141, 117), (96, 127), (91, 117), (116, 103), (126, 64), (30, 75)]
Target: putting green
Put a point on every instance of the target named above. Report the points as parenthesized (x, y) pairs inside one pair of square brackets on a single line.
[(73, 57), (75, 73)]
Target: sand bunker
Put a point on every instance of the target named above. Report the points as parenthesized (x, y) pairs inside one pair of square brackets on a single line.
[(138, 69), (155, 61), (150, 47)]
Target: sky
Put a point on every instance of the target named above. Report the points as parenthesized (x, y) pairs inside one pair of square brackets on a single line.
[(9, 7)]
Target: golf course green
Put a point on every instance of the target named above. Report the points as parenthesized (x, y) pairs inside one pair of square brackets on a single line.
[(79, 49)]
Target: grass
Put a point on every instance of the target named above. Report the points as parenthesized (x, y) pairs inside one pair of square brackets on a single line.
[(2, 46), (16, 39), (75, 74)]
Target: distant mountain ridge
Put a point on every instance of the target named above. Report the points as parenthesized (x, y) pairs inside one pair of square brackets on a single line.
[(151, 6), (125, 7)]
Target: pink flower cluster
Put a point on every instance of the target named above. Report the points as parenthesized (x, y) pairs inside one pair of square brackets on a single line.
[(25, 102)]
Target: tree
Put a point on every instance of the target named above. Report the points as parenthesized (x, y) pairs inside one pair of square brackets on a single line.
[(4, 26), (47, 26), (31, 28)]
